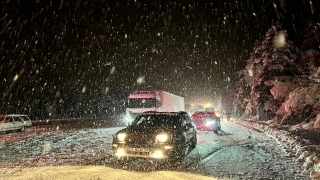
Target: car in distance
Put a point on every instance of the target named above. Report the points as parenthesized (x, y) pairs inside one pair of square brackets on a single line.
[(205, 120), (11, 122), (156, 135)]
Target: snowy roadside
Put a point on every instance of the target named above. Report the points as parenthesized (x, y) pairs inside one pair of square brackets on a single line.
[(240, 153), (304, 153)]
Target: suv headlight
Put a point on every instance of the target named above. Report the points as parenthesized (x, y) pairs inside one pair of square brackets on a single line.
[(210, 123), (161, 138), (121, 137)]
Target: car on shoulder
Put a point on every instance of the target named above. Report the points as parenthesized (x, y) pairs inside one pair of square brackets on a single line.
[(205, 120), (156, 135), (14, 122)]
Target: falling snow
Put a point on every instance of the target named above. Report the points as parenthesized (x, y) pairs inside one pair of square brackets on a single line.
[(80, 59)]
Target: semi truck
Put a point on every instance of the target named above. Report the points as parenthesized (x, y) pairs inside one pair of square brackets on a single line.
[(157, 100)]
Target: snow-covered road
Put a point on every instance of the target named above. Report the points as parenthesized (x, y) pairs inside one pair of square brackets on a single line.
[(240, 153)]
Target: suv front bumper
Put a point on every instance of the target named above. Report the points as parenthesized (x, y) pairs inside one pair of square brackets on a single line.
[(157, 152)]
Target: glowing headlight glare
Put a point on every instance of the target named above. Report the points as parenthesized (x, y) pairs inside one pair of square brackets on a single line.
[(129, 119), (120, 152), (210, 123), (157, 154), (121, 137), (162, 138)]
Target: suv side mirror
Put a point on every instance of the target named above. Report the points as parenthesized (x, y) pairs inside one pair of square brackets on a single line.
[(189, 125)]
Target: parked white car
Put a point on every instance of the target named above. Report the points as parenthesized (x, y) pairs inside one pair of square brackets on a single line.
[(11, 122)]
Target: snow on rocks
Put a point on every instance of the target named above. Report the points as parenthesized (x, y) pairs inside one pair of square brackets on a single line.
[(317, 123), (305, 154)]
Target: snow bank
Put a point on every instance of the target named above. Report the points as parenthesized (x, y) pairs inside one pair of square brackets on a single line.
[(308, 156)]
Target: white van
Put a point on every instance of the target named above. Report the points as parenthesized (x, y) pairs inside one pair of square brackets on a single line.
[(10, 122)]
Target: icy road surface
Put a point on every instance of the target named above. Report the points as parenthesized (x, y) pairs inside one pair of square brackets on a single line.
[(240, 153)]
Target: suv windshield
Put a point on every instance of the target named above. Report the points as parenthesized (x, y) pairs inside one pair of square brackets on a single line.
[(157, 121)]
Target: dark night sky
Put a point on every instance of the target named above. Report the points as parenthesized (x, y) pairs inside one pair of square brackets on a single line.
[(191, 48)]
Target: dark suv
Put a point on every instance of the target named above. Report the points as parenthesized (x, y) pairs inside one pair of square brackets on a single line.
[(157, 135)]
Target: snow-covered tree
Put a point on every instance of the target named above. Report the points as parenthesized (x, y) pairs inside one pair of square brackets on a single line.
[(310, 48), (274, 56), (302, 103)]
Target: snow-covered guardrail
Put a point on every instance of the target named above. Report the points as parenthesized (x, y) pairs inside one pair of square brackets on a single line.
[(56, 121)]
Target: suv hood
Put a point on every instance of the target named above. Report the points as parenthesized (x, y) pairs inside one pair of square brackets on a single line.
[(146, 130)]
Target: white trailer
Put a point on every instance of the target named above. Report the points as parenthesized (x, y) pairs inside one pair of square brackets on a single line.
[(157, 100)]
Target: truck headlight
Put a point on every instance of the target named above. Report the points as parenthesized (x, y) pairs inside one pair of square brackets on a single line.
[(121, 137), (161, 138), (129, 119)]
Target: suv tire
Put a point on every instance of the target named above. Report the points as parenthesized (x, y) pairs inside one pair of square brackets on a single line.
[(193, 142), (180, 152)]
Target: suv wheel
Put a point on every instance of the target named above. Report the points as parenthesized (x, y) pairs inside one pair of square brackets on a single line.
[(193, 142), (180, 152)]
